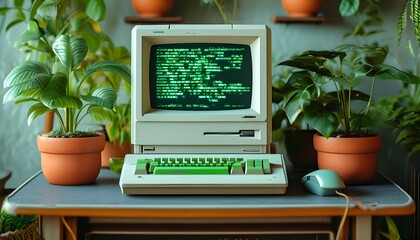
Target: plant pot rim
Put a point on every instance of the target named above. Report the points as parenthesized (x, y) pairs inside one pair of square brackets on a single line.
[(366, 144), (55, 145)]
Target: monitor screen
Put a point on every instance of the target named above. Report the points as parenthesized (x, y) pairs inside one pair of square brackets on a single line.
[(200, 76)]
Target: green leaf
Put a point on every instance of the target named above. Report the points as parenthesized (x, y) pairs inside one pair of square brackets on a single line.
[(393, 230), (31, 33), (113, 130), (109, 66), (387, 72), (415, 17), (35, 111), (26, 77), (54, 94), (24, 72), (349, 7), (34, 8), (104, 97), (71, 51), (321, 116), (13, 23), (96, 9)]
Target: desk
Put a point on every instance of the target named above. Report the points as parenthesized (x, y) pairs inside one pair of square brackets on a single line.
[(104, 200)]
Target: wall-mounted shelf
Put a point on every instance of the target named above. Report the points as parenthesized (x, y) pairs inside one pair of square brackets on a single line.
[(286, 19), (151, 20)]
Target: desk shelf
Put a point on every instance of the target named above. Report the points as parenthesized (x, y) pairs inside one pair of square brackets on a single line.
[(152, 20), (286, 19)]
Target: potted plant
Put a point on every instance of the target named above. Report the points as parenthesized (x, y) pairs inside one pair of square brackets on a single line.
[(343, 114), (55, 82)]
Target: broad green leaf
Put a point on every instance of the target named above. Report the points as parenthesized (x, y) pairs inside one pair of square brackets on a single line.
[(35, 111), (109, 66), (293, 109), (70, 50), (24, 72), (54, 94), (387, 72), (348, 7), (321, 116), (30, 88), (105, 97), (29, 75), (96, 9)]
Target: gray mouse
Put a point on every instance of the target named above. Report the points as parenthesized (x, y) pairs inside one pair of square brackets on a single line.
[(323, 182)]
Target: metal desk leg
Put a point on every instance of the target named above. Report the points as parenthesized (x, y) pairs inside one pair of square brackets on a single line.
[(51, 228), (363, 228)]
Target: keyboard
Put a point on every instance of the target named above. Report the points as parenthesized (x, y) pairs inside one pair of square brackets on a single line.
[(200, 174)]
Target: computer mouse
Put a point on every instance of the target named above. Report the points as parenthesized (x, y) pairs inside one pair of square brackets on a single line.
[(323, 182)]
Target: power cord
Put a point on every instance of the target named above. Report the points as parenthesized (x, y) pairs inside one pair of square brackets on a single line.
[(364, 207), (343, 218), (68, 228)]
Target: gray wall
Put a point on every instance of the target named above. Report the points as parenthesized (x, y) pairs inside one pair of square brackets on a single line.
[(18, 151)]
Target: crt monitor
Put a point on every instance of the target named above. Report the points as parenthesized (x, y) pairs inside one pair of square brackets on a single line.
[(201, 89)]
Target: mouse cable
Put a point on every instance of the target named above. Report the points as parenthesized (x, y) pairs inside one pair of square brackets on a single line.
[(343, 218), (364, 207), (73, 236)]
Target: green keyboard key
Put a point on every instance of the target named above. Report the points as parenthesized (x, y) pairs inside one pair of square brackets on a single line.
[(191, 170), (266, 166)]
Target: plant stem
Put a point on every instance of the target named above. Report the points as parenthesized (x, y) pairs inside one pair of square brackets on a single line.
[(370, 96), (221, 10)]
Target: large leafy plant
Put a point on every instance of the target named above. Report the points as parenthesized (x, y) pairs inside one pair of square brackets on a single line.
[(63, 40), (343, 109), (57, 88)]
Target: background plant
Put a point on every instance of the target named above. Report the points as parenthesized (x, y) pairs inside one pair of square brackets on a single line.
[(344, 71), (222, 6), (404, 107)]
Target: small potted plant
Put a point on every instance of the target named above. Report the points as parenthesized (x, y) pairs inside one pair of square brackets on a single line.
[(344, 115), (55, 83)]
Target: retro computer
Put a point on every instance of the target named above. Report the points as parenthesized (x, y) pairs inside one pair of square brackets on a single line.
[(201, 112)]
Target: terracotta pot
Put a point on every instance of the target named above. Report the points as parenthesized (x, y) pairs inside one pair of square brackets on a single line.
[(152, 8), (354, 159), (71, 161), (114, 150), (301, 8)]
